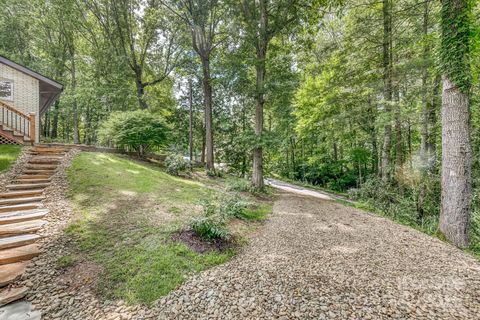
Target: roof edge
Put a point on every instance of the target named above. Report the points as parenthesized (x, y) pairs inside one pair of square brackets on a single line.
[(30, 72)]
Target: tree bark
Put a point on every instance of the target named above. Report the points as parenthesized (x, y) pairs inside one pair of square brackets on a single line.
[(140, 89), (54, 126), (207, 92), (190, 122), (261, 50), (456, 164), (387, 90), (76, 134)]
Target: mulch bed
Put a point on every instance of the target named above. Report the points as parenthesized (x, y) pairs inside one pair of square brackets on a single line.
[(200, 245)]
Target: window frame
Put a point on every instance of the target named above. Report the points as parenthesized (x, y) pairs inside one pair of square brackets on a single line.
[(12, 84)]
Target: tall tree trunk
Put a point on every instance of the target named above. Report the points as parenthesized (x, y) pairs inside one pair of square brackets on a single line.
[(261, 48), (190, 122), (257, 177), (76, 133), (387, 90), (455, 61), (456, 164), (424, 132), (207, 93)]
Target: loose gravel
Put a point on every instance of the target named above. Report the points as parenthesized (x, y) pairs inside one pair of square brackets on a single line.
[(313, 259), (317, 259)]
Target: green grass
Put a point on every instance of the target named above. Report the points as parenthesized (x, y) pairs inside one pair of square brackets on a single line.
[(257, 212), (127, 212), (8, 155), (66, 261)]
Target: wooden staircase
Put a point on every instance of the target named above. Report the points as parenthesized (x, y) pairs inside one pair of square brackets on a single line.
[(21, 216), (15, 126)]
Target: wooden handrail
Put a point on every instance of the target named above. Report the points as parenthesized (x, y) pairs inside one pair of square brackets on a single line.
[(17, 120), (9, 107)]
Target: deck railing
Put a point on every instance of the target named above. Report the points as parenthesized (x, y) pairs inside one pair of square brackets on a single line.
[(17, 121)]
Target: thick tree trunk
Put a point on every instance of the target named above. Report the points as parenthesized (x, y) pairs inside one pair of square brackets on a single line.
[(140, 90), (387, 90), (257, 176), (456, 164), (207, 92)]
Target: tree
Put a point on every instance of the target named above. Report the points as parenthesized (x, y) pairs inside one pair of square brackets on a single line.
[(263, 20), (203, 19), (456, 147)]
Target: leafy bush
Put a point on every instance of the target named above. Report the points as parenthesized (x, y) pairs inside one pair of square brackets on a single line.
[(239, 185), (138, 131), (175, 163), (216, 212), (210, 228)]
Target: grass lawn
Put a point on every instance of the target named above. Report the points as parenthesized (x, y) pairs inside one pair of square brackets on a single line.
[(8, 155), (126, 214)]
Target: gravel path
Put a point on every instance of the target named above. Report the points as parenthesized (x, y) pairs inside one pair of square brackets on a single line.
[(317, 259)]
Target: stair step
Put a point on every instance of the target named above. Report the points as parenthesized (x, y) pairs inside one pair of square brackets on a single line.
[(39, 171), (24, 186), (23, 193), (20, 207), (18, 254), (21, 227), (18, 241), (41, 166), (28, 181), (8, 295), (11, 272), (34, 176), (43, 161), (21, 200), (20, 216)]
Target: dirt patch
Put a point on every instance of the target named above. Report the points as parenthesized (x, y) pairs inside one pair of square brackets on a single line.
[(81, 276), (197, 244)]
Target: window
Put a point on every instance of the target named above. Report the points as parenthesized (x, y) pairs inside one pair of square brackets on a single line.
[(6, 89)]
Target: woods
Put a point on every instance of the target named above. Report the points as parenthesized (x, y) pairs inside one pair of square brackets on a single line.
[(378, 100)]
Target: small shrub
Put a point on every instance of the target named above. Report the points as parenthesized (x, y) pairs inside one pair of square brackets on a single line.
[(240, 185), (210, 228), (175, 164), (233, 206)]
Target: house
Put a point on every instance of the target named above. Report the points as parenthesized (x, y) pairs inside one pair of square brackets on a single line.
[(25, 96)]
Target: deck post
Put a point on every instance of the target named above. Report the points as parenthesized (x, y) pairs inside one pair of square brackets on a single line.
[(32, 126)]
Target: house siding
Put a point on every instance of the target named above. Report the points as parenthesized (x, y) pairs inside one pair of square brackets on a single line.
[(26, 93)]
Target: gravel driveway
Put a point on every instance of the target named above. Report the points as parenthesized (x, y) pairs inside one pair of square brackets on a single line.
[(316, 259)]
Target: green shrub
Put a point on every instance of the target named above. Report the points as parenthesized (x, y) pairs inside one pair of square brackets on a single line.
[(175, 163), (210, 228), (240, 185), (233, 206), (138, 131)]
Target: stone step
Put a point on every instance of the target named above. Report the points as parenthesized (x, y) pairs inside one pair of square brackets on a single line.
[(18, 228), (8, 295), (29, 186), (11, 272), (20, 207), (19, 254), (22, 193), (21, 200), (34, 176), (21, 216), (18, 241), (29, 181), (20, 310)]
